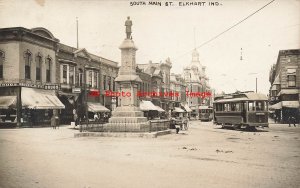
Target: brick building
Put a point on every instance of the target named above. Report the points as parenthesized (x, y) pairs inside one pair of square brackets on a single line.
[(284, 93), (160, 82), (39, 77), (78, 66), (28, 81)]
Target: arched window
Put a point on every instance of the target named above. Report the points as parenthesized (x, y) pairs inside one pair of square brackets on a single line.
[(28, 59), (38, 68), (48, 69), (2, 57)]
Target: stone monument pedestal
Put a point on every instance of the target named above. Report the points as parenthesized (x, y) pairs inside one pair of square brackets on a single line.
[(128, 117)]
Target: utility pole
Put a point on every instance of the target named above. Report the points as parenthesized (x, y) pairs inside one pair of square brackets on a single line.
[(77, 32), (85, 98), (256, 84)]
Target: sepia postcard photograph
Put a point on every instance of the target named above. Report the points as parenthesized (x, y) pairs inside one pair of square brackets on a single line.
[(149, 94)]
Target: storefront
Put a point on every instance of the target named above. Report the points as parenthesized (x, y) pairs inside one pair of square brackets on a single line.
[(35, 106)]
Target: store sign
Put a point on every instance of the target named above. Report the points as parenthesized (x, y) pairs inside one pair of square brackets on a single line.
[(76, 90), (52, 87), (46, 86)]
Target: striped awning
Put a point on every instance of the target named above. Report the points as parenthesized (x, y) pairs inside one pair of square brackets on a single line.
[(178, 110), (97, 107), (159, 109), (147, 106), (40, 99)]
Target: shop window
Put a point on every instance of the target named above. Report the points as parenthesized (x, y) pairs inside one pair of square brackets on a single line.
[(28, 59), (38, 67), (2, 58), (291, 80), (48, 69)]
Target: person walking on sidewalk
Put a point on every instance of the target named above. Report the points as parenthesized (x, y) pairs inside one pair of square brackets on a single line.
[(292, 120), (53, 122)]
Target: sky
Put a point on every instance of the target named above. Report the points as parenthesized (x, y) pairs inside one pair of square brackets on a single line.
[(174, 31)]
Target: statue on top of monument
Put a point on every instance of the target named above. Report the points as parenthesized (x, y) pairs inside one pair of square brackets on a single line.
[(128, 25)]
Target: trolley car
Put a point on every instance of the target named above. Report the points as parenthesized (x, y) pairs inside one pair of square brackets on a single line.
[(205, 113), (241, 110)]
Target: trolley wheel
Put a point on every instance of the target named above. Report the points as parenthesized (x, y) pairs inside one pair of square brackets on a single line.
[(251, 128), (236, 127)]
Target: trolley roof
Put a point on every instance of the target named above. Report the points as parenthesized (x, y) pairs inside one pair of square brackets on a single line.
[(246, 96)]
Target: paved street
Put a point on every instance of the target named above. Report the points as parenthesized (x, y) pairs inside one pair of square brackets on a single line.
[(203, 156)]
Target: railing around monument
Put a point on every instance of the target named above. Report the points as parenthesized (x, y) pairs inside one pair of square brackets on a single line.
[(159, 125), (96, 126)]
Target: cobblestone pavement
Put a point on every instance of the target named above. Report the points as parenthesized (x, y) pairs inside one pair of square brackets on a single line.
[(203, 156)]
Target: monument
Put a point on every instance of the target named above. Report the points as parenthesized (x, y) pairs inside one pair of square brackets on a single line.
[(128, 117)]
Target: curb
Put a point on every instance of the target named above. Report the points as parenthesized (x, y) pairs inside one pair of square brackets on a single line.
[(123, 134)]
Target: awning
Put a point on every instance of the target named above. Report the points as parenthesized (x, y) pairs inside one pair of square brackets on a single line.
[(147, 105), (178, 110), (204, 107), (288, 91), (290, 104), (276, 106), (159, 109), (97, 107), (40, 99), (7, 102), (187, 108)]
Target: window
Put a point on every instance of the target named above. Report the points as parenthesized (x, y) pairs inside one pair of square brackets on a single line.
[(65, 74), (71, 74), (95, 82), (28, 59), (291, 80), (260, 105), (114, 84), (48, 69), (251, 106), (90, 78), (109, 82), (226, 107), (2, 56), (104, 82), (80, 77), (38, 67)]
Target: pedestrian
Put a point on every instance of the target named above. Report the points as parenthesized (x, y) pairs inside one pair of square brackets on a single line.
[(57, 121), (292, 120), (53, 123), (96, 117), (75, 119)]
